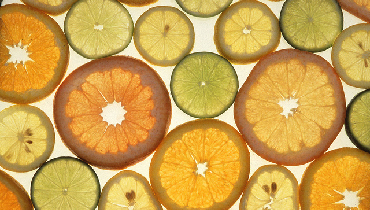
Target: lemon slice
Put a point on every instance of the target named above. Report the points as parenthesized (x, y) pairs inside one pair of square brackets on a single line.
[(164, 35), (53, 7), (98, 28), (204, 8)]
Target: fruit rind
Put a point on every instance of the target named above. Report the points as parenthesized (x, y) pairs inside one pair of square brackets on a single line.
[(50, 9)]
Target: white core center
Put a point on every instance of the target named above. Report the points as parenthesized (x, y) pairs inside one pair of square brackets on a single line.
[(289, 106), (18, 54), (201, 169), (98, 27), (113, 113), (350, 198)]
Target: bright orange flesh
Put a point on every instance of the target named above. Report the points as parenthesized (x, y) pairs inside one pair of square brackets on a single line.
[(7, 199)]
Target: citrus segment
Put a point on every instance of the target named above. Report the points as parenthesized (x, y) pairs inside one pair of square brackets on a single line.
[(206, 8), (53, 7), (358, 8), (138, 3)]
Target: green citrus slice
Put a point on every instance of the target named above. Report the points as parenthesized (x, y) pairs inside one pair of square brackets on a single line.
[(53, 7), (204, 84), (205, 8), (65, 183), (26, 138), (311, 25), (164, 35), (358, 8), (138, 3), (128, 190), (246, 31), (98, 28)]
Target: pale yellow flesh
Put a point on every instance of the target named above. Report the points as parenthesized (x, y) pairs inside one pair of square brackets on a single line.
[(204, 7)]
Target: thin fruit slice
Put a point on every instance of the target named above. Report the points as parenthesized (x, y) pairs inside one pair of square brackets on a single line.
[(311, 25), (112, 112), (138, 3), (202, 164), (26, 138), (128, 190), (34, 54), (205, 8), (65, 183), (204, 84), (337, 180), (351, 55), (53, 7), (271, 187), (12, 194), (246, 31), (98, 28), (358, 8), (163, 35), (291, 107)]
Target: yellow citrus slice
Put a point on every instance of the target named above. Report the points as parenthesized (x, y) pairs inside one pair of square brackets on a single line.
[(358, 8), (53, 7), (205, 8), (138, 3)]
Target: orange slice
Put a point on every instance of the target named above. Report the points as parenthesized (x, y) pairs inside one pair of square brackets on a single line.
[(291, 107), (34, 54), (112, 112), (358, 8), (202, 164), (53, 7)]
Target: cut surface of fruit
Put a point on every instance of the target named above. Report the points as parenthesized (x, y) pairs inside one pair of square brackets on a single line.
[(26, 138), (337, 180), (53, 7), (66, 183), (34, 54), (291, 107), (351, 55), (202, 164), (311, 25), (358, 8), (138, 3), (271, 187), (205, 8), (98, 28), (112, 112), (204, 84), (163, 35), (128, 190), (246, 31)]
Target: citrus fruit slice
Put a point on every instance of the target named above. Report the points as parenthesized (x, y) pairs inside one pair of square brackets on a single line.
[(291, 107), (358, 8), (311, 25), (351, 55), (204, 84), (246, 31), (34, 54), (12, 194), (53, 7), (202, 164), (205, 8), (271, 187), (26, 138), (337, 180), (128, 190), (163, 35), (65, 183), (98, 28), (112, 112), (138, 3)]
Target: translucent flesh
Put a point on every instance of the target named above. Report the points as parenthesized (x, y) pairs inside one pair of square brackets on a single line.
[(363, 3), (359, 120), (51, 2), (205, 7), (315, 113), (7, 199)]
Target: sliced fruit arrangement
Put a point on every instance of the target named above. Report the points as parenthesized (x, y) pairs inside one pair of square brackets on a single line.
[(204, 84), (291, 107), (112, 112), (271, 187), (337, 180), (205, 8), (65, 183), (26, 138), (246, 31), (351, 55), (34, 54), (202, 164), (311, 25), (164, 35), (138, 3), (128, 190), (98, 28), (358, 8), (53, 7)]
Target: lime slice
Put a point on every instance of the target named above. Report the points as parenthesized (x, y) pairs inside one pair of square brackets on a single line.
[(98, 28), (204, 8), (311, 25), (26, 138), (65, 183), (204, 84), (138, 3), (163, 35)]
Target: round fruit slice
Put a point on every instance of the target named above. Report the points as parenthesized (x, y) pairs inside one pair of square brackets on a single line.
[(358, 8), (311, 25), (246, 31), (291, 107), (205, 8), (112, 112), (98, 28), (202, 164), (65, 183), (128, 190), (337, 180), (34, 54), (271, 187), (351, 55), (12, 194), (26, 138), (163, 35), (204, 84), (138, 3), (53, 7)]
